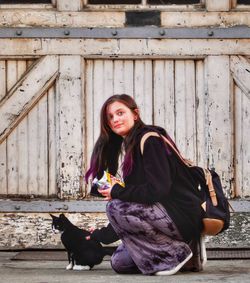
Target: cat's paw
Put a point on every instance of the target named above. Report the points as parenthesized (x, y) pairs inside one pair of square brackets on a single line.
[(69, 266), (81, 267)]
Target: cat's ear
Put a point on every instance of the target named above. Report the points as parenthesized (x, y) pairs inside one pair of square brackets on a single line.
[(53, 216), (61, 215)]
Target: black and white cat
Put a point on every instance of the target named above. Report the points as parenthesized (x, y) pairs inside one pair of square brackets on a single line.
[(82, 254)]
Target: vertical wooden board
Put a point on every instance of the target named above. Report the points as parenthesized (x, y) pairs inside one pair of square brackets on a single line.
[(22, 129), (32, 121), (22, 142), (42, 158), (12, 146), (185, 108), (3, 146), (89, 109), (201, 126), (3, 168), (2, 79), (11, 73), (128, 77), (12, 163), (52, 134), (242, 146), (123, 77), (180, 131), (143, 89), (119, 83), (163, 95), (70, 146), (108, 78), (98, 95), (219, 118), (66, 5)]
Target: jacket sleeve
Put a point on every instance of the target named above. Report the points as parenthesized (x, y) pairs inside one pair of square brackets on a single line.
[(158, 176), (105, 235)]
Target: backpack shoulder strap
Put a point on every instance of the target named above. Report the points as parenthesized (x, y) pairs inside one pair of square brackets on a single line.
[(154, 134), (145, 137)]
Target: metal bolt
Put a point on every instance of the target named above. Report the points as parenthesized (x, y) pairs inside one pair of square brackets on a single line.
[(210, 33), (17, 207), (162, 32), (66, 32), (114, 32), (19, 32), (65, 207)]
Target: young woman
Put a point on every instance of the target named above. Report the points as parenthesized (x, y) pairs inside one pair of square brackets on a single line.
[(158, 211)]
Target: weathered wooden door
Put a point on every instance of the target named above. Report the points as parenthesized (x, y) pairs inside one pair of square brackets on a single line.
[(48, 134)]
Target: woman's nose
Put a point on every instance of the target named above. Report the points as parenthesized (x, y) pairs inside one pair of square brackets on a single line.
[(115, 118)]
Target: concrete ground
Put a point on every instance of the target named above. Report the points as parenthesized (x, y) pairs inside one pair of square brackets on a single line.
[(52, 270)]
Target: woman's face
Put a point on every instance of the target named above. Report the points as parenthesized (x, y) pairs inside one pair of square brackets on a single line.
[(120, 118)]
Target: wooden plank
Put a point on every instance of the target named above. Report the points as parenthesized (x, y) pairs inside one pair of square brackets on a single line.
[(219, 119), (42, 158), (132, 48), (70, 151), (118, 79), (201, 126), (89, 110), (3, 168), (22, 130), (52, 18), (129, 77), (52, 135), (242, 145), (98, 96), (12, 147), (2, 79), (66, 5), (33, 151), (11, 75), (203, 18), (143, 89), (218, 6), (108, 78), (163, 88), (240, 68), (16, 105), (3, 145), (185, 108)]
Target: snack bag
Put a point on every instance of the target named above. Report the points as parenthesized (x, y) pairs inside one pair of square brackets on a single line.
[(105, 181)]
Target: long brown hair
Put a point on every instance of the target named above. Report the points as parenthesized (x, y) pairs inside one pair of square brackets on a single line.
[(108, 146)]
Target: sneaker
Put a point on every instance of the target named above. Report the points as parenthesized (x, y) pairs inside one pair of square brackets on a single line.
[(176, 269), (203, 251), (199, 258)]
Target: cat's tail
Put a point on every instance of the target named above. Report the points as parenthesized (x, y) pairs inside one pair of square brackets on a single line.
[(108, 250)]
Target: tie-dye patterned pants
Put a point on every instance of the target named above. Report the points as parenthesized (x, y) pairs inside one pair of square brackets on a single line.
[(150, 239)]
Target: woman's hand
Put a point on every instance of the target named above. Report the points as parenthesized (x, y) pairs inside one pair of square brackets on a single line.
[(106, 193), (91, 230)]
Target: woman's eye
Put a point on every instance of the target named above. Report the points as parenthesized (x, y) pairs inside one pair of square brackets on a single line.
[(120, 113)]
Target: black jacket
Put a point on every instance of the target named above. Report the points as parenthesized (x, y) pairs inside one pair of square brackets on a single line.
[(159, 176)]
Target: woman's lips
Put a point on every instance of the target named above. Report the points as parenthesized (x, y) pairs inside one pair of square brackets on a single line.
[(117, 126)]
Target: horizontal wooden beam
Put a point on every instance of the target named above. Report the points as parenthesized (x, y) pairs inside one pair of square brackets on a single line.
[(97, 17), (114, 48), (26, 92)]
